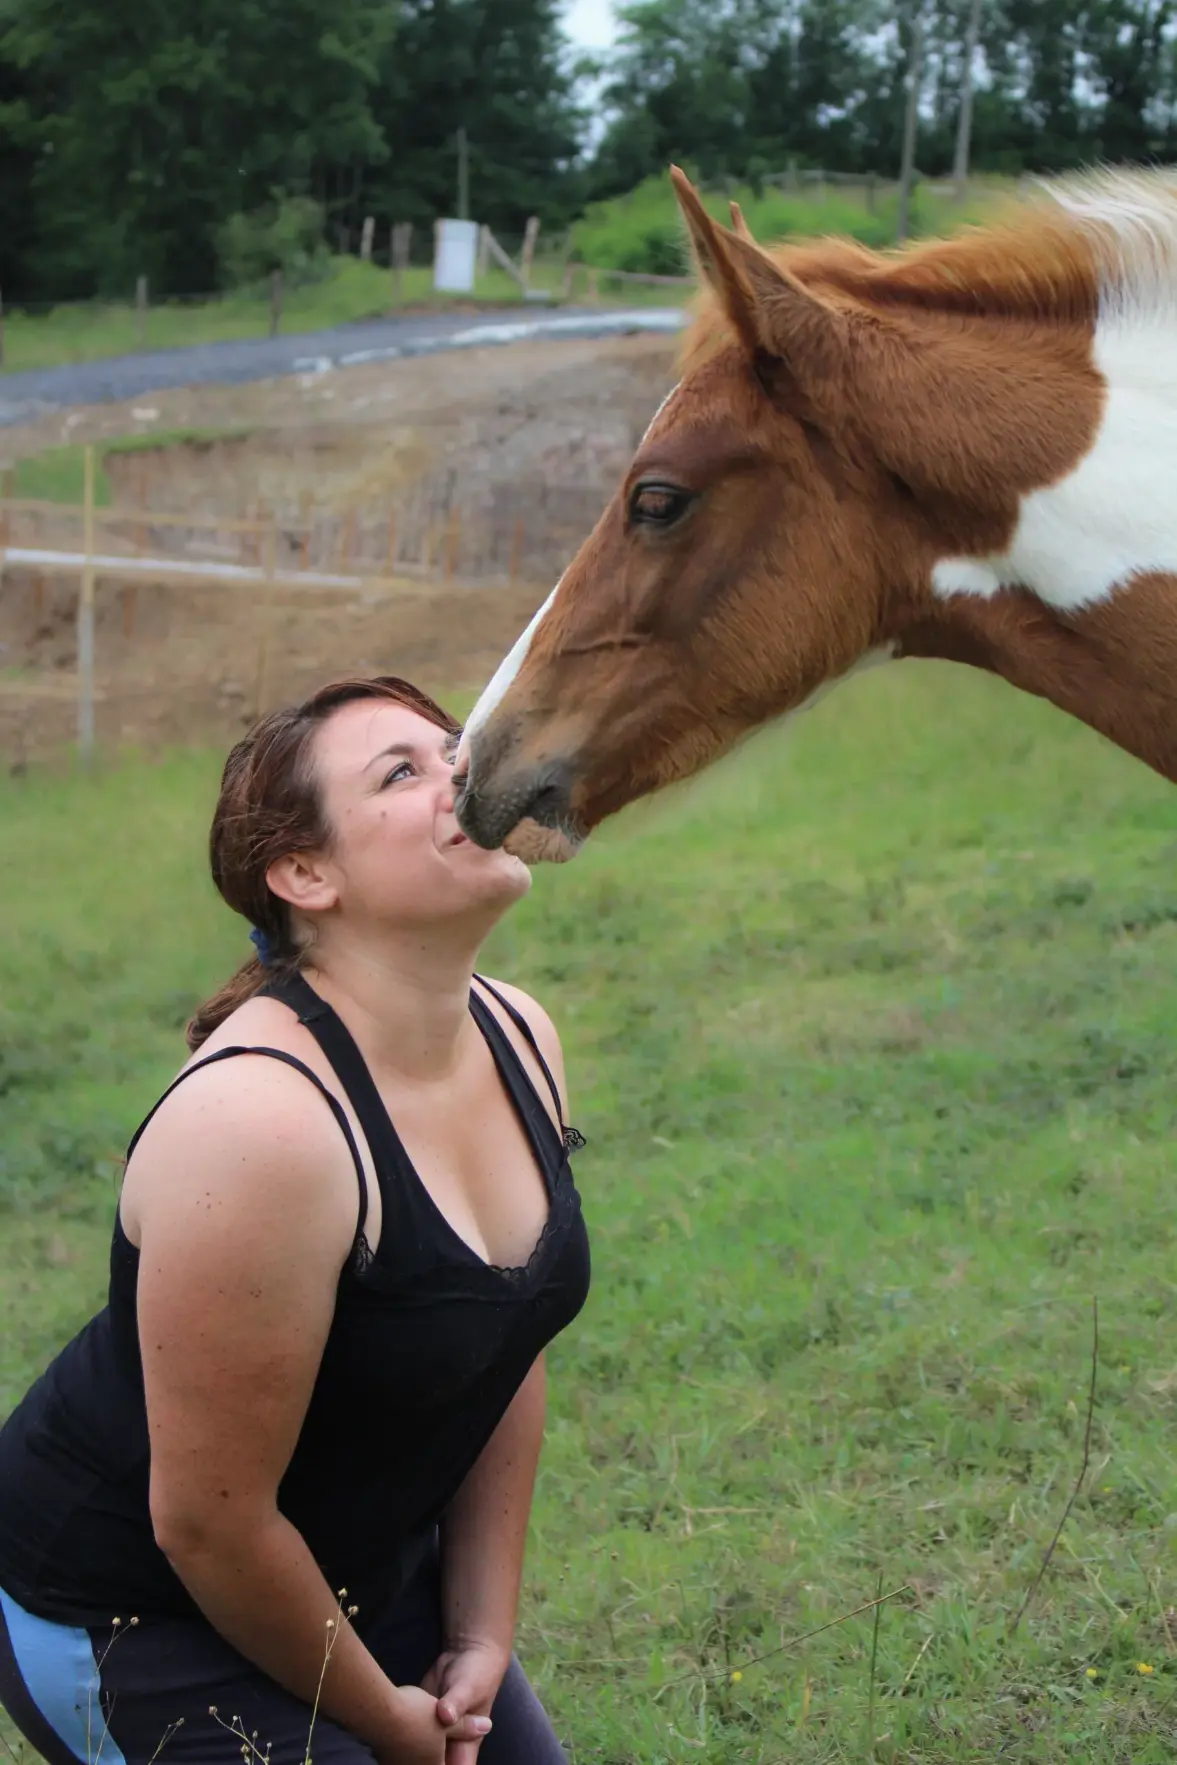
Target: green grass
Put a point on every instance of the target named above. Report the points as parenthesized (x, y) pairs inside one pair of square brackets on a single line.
[(58, 474), (642, 230), (353, 290), (872, 1036)]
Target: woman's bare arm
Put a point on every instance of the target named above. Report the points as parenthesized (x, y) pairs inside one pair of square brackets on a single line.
[(245, 1203), (485, 1529)]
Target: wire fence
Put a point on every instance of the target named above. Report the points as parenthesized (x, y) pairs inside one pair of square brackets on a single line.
[(136, 623)]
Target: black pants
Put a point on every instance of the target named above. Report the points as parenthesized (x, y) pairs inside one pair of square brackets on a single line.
[(74, 1694)]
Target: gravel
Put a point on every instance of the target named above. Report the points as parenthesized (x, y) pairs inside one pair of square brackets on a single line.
[(35, 392)]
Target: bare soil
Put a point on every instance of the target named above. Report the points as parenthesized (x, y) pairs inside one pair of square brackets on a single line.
[(516, 450)]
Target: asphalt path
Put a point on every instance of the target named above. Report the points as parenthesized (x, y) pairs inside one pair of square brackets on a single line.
[(36, 391)]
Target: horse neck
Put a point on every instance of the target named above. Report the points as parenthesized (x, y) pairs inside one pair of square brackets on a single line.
[(1113, 665)]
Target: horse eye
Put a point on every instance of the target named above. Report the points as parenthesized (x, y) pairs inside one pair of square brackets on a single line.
[(658, 505)]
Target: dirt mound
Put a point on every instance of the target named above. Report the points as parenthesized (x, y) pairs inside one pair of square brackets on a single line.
[(492, 465)]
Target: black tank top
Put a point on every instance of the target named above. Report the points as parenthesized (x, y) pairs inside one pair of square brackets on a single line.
[(426, 1349)]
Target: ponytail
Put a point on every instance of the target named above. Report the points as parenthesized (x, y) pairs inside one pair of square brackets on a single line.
[(248, 981)]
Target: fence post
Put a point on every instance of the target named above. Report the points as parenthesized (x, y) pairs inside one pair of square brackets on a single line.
[(275, 301), (263, 652), (141, 312), (402, 241), (1, 327), (594, 287), (86, 615), (530, 234), (366, 239), (483, 264)]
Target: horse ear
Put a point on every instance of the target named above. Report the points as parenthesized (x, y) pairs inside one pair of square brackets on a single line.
[(740, 227), (771, 311)]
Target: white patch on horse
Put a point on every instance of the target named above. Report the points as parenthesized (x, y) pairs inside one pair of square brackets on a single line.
[(504, 674), (1114, 516), (661, 408), (509, 667)]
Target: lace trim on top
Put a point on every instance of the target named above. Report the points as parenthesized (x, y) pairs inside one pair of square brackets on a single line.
[(518, 1273), (362, 1256)]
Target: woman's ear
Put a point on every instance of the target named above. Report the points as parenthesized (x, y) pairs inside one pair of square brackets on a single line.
[(303, 880)]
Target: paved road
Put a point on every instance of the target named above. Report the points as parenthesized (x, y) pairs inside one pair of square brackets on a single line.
[(24, 396)]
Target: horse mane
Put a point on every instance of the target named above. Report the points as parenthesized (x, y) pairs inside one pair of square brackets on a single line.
[(1102, 243)]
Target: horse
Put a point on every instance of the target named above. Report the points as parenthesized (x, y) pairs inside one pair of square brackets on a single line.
[(964, 449)]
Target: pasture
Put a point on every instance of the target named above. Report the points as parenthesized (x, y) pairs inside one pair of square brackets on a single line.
[(872, 1036)]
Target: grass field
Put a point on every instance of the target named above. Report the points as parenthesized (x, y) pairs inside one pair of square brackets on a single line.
[(872, 1036), (59, 474), (642, 230)]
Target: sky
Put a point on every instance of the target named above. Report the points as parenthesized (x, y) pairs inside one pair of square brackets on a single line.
[(590, 23)]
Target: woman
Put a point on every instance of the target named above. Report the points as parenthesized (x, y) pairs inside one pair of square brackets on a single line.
[(287, 1471)]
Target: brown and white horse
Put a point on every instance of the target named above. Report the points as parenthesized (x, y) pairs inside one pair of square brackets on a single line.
[(967, 449)]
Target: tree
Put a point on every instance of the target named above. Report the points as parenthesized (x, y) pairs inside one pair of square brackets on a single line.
[(496, 68), (149, 124)]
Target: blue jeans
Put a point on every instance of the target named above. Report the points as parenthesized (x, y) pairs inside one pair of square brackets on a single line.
[(79, 1696)]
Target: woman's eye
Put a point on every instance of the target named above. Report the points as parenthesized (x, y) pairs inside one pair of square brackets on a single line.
[(658, 505), (399, 770)]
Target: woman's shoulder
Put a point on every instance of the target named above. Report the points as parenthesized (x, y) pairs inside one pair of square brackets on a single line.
[(237, 1117), (533, 1015), (546, 1035)]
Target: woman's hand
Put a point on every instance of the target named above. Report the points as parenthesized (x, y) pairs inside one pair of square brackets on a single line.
[(425, 1731), (465, 1682)]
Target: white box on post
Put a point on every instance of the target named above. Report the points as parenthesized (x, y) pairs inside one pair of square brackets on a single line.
[(455, 253)]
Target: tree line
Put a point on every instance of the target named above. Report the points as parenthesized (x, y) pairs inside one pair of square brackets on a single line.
[(146, 137)]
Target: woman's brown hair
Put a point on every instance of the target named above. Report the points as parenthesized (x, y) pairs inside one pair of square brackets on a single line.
[(271, 804)]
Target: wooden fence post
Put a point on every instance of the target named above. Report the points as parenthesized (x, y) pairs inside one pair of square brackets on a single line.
[(483, 265), (369, 228), (263, 649), (594, 287), (275, 301), (402, 243), (141, 312), (527, 255), (86, 615)]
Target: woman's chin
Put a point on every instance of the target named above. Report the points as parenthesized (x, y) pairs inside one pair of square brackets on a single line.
[(506, 876)]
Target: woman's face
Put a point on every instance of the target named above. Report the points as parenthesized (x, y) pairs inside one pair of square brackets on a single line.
[(397, 855)]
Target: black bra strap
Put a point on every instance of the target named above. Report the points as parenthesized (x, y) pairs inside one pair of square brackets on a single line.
[(526, 1031), (336, 1108)]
